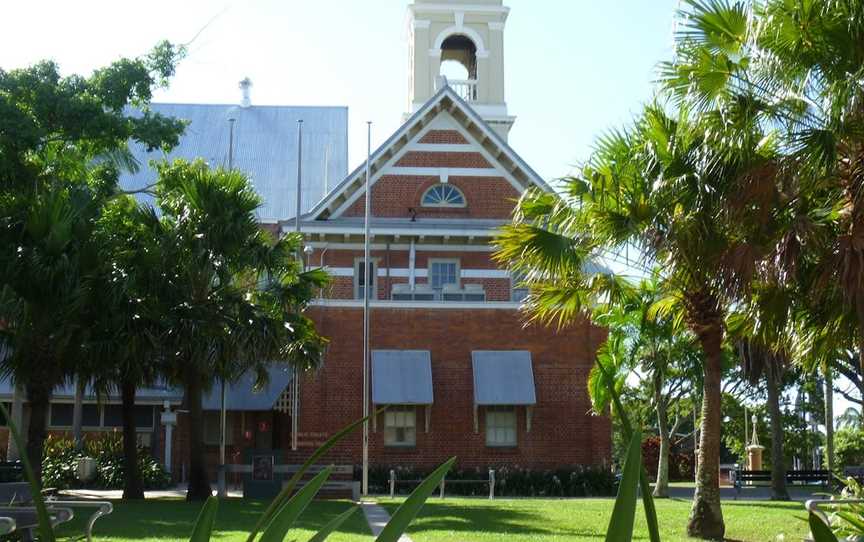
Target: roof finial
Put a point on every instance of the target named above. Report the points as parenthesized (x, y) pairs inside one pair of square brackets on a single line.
[(245, 85)]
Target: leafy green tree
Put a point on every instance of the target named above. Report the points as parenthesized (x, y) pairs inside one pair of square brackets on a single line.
[(60, 139), (663, 356), (233, 297)]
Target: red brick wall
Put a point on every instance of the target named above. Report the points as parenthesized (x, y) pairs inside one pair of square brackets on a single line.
[(443, 136), (393, 195), (562, 434), (443, 159)]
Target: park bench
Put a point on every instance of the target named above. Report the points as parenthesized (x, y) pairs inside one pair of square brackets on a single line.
[(441, 488), (755, 478), (16, 505), (856, 472)]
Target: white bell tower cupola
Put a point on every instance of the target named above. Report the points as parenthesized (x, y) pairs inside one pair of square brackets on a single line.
[(462, 41)]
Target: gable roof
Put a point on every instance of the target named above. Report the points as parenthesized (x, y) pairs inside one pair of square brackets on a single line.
[(265, 148), (446, 99)]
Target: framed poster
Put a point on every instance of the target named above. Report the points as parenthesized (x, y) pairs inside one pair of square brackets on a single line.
[(262, 467)]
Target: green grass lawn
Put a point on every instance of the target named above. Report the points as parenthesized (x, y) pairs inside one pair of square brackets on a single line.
[(536, 520), (171, 519), (449, 520)]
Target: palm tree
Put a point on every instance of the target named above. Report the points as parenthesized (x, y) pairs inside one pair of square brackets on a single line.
[(663, 354), (800, 64), (121, 349), (662, 186), (233, 296)]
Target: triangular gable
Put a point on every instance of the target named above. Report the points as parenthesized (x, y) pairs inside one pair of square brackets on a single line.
[(448, 108)]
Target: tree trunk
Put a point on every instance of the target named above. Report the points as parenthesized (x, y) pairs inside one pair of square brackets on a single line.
[(199, 480), (706, 516), (133, 488), (661, 486), (773, 375), (829, 418), (39, 396)]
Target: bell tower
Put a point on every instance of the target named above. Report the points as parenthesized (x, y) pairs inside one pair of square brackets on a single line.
[(462, 41)]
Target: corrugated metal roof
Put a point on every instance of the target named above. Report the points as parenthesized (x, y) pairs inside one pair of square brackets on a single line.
[(401, 377), (242, 394), (66, 393), (503, 377), (265, 148)]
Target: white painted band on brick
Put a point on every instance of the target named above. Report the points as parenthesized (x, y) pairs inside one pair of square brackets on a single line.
[(396, 247), (446, 305), (401, 272)]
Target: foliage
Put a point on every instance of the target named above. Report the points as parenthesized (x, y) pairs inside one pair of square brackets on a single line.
[(62, 141), (849, 447), (60, 461), (681, 464), (576, 481)]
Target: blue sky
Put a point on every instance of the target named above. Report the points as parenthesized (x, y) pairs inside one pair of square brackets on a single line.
[(574, 68)]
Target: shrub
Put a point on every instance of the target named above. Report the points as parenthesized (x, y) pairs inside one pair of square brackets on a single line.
[(576, 481), (60, 464), (680, 463), (849, 447)]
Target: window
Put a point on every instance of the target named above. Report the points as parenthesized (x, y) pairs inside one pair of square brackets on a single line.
[(518, 291), (501, 426), (212, 419), (443, 273), (361, 281), (443, 195), (61, 415), (143, 416), (400, 426)]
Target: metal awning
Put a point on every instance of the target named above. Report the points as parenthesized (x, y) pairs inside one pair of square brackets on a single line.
[(243, 395), (401, 377), (503, 377)]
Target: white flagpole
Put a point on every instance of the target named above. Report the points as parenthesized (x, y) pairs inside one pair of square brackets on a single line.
[(295, 380), (367, 285)]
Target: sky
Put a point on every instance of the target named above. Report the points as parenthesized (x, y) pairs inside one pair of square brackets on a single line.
[(574, 68)]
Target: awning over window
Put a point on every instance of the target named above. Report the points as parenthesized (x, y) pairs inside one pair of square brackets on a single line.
[(401, 377), (242, 394), (503, 377)]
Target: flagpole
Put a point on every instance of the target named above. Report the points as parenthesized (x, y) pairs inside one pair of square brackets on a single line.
[(295, 380), (367, 285)]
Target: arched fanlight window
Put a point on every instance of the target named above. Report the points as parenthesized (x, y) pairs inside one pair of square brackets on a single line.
[(443, 195)]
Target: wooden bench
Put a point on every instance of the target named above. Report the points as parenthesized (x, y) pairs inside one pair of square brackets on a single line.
[(17, 505), (755, 478)]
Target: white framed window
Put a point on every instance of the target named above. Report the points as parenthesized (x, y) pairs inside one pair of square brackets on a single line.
[(400, 425), (363, 279), (212, 422), (501, 426), (443, 272), (443, 195), (94, 416)]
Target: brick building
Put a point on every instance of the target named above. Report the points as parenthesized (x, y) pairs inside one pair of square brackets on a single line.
[(452, 358)]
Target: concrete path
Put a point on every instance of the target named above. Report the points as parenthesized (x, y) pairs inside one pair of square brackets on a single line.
[(377, 517), (757, 493)]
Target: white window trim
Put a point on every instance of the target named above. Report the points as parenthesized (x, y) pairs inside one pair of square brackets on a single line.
[(412, 408), (444, 260), (356, 278), (463, 205), (512, 409)]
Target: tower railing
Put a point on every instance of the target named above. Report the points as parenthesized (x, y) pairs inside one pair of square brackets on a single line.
[(465, 88)]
